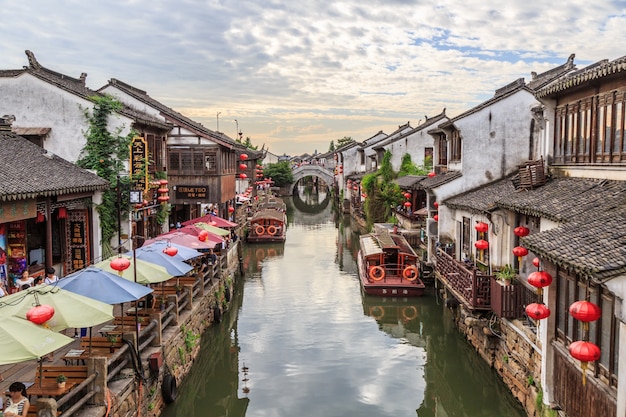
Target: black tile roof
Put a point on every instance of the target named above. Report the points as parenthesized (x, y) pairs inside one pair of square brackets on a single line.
[(76, 86), (29, 171), (601, 69), (429, 183), (172, 115), (591, 236), (408, 181)]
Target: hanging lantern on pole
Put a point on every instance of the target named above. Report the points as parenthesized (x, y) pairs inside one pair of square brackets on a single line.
[(481, 244), (407, 204), (40, 313), (585, 311), (40, 217), (120, 264), (536, 262), (539, 279), (537, 311), (585, 352), (407, 195), (62, 213), (243, 167), (521, 231), (520, 252), (243, 176), (436, 217), (243, 156), (481, 227)]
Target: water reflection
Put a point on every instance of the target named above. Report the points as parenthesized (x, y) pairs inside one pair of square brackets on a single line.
[(301, 340)]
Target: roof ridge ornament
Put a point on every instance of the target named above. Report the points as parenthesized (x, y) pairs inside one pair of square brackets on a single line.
[(32, 60)]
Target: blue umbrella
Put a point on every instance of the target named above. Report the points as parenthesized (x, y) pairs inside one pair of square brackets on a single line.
[(103, 286), (156, 256), (184, 253)]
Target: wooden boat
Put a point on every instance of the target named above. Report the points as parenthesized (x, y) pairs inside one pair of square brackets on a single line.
[(388, 265), (269, 223)]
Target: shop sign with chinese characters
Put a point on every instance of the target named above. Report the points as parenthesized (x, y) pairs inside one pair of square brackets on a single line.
[(138, 163), (191, 192), (18, 210)]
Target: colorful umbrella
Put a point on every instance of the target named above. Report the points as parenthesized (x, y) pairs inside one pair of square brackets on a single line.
[(144, 273), (71, 310), (21, 340), (212, 229), (156, 256), (184, 253), (210, 218), (103, 286), (187, 240)]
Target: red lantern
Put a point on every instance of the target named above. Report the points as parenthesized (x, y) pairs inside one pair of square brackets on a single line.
[(163, 182), (243, 176), (40, 314), (138, 206), (243, 167), (585, 352), (259, 166), (481, 244), (521, 231), (407, 204), (436, 217), (481, 227), (163, 190), (203, 235), (585, 311), (120, 264), (436, 205), (163, 199), (431, 174), (520, 251), (243, 156), (363, 195), (40, 217), (170, 250), (62, 213), (231, 209), (540, 279), (536, 262), (355, 187), (537, 311), (407, 195)]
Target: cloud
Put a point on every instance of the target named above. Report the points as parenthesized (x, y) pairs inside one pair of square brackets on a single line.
[(312, 68)]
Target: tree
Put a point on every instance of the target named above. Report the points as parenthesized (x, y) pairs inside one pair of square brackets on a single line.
[(344, 141), (280, 173), (383, 194), (407, 167), (331, 148)]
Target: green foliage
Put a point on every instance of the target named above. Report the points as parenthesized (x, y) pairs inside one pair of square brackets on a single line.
[(181, 355), (505, 358), (407, 167), (105, 153), (383, 194), (280, 173), (163, 213), (331, 148), (507, 272), (344, 141), (248, 143), (190, 338)]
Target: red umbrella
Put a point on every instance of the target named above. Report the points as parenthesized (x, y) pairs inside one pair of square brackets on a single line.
[(220, 222), (187, 240)]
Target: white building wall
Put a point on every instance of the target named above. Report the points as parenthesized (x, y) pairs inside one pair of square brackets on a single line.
[(413, 144), (36, 103)]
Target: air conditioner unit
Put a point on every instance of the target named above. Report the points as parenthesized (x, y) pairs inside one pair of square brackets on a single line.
[(431, 203), (432, 228)]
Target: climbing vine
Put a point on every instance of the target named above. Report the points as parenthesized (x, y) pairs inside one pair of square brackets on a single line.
[(105, 153), (383, 193)]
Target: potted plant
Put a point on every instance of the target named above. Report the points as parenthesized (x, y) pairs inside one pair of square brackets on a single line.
[(506, 274), (113, 340), (61, 379)]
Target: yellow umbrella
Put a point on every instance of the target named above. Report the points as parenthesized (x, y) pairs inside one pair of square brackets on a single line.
[(143, 272), (212, 229)]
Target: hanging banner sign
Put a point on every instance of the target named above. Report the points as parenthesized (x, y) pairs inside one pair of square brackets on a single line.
[(139, 163)]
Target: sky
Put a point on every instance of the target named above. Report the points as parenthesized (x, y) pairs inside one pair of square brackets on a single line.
[(295, 75)]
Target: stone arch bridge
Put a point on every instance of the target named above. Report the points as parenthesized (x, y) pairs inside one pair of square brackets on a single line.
[(311, 171)]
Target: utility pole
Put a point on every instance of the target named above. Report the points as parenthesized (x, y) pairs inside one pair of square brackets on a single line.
[(237, 130), (218, 121)]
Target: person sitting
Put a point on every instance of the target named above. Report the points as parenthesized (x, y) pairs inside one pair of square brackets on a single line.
[(212, 257), (17, 403), (51, 278), (26, 281)]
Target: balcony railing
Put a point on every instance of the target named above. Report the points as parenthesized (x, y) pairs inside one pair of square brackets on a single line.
[(468, 284)]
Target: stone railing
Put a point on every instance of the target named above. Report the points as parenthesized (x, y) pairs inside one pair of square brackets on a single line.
[(468, 284)]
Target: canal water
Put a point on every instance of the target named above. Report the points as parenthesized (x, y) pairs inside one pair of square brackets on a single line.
[(301, 340)]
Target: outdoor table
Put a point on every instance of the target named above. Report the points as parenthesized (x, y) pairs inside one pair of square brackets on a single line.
[(49, 389), (74, 355)]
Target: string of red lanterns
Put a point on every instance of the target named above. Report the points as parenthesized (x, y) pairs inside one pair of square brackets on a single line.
[(583, 350)]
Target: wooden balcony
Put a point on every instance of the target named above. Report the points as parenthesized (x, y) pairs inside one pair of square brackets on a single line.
[(510, 301), (468, 284)]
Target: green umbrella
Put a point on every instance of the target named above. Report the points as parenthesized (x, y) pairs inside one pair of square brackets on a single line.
[(147, 272), (21, 340), (71, 310), (212, 229)]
